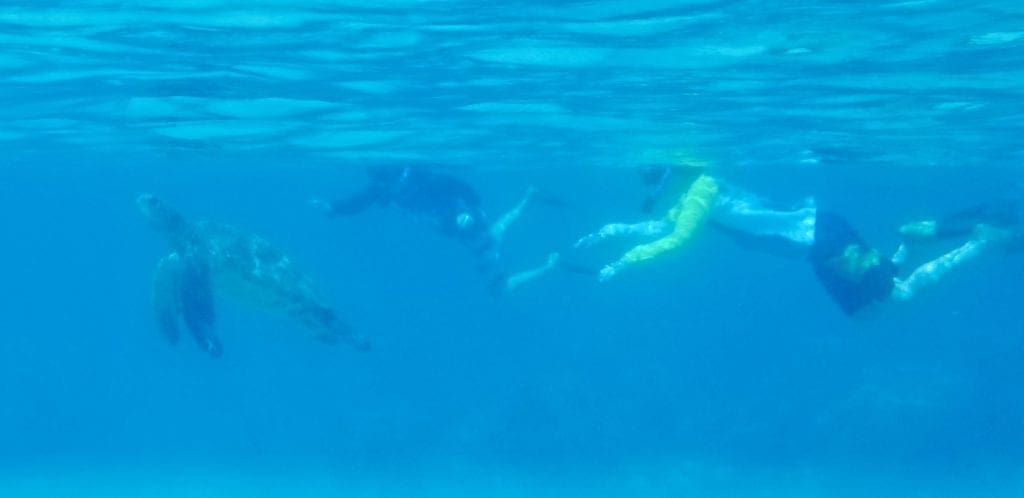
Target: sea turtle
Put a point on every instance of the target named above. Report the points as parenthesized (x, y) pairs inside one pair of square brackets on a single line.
[(208, 257)]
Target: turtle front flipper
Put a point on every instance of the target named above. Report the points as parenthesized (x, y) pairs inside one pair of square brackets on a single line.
[(182, 288)]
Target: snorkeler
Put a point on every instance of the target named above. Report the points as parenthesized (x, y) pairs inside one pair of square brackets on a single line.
[(707, 200), (856, 275), (452, 206)]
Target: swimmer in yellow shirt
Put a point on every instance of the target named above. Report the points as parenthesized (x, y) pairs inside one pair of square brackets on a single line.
[(707, 200)]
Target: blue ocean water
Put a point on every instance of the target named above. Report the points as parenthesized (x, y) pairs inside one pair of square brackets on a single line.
[(715, 371)]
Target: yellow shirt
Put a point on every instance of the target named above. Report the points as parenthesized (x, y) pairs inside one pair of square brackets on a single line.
[(689, 214)]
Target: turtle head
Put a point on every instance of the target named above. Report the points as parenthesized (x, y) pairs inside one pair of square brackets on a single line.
[(159, 214)]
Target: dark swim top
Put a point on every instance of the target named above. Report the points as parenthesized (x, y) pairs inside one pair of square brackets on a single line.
[(437, 197), (853, 274)]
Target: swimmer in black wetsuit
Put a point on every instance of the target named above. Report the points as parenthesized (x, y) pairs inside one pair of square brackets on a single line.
[(856, 275), (452, 206)]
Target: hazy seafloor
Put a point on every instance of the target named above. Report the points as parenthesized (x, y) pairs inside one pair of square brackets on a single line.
[(716, 371)]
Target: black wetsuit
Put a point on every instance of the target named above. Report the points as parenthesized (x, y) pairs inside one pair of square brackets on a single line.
[(440, 199)]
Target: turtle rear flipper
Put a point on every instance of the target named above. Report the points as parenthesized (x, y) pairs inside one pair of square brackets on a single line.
[(332, 329), (343, 331), (182, 288)]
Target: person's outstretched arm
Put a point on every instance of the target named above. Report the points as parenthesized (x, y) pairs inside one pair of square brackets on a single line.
[(354, 204), (651, 228)]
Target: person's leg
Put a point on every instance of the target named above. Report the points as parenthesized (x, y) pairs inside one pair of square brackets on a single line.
[(354, 204), (919, 231), (652, 228), (749, 214), (931, 272), (1004, 214), (520, 278), (499, 227), (686, 218)]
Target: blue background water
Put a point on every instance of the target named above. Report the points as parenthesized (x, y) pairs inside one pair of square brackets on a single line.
[(714, 372)]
